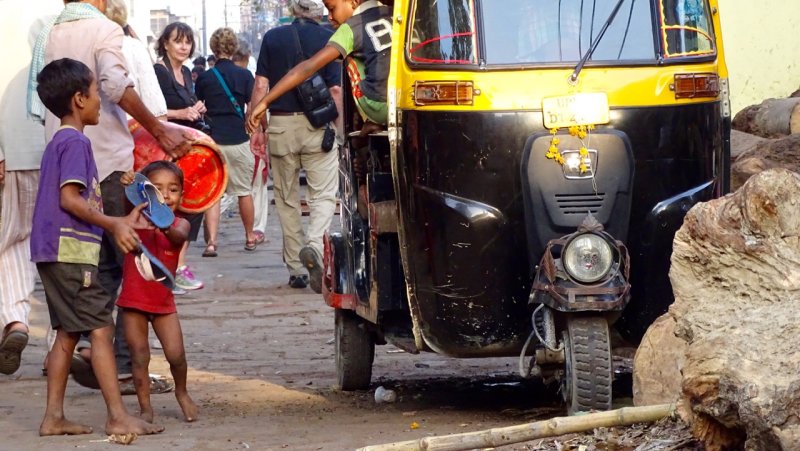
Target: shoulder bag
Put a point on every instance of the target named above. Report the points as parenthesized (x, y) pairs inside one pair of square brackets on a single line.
[(313, 94), (235, 104)]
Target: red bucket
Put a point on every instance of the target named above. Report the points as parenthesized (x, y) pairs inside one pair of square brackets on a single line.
[(205, 174)]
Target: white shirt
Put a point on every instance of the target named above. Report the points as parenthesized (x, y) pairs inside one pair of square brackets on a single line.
[(21, 139), (97, 43), (140, 69)]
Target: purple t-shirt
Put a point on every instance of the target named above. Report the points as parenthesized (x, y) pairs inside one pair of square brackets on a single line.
[(57, 236)]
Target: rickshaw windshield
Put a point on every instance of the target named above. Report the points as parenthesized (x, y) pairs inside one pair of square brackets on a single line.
[(517, 32)]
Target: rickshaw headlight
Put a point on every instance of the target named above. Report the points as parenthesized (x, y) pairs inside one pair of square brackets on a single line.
[(588, 258)]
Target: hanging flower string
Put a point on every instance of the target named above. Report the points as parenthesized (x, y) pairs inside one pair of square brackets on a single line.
[(552, 152), (580, 132)]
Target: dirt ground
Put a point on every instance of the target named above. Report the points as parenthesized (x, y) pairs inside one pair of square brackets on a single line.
[(261, 359)]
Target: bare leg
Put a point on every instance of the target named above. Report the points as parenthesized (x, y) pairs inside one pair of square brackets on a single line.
[(247, 212), (136, 325), (211, 223), (168, 331), (16, 325), (119, 420), (182, 255), (58, 362)]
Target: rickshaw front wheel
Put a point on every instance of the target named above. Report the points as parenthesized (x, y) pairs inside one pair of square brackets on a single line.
[(588, 374), (355, 351)]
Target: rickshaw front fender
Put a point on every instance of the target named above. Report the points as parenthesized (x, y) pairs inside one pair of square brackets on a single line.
[(652, 293)]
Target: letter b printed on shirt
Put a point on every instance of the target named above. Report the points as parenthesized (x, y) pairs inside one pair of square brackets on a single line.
[(380, 33)]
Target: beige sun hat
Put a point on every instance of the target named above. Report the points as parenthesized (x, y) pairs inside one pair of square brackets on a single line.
[(307, 8)]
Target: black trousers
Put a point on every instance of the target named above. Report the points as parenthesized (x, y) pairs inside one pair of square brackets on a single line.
[(110, 265)]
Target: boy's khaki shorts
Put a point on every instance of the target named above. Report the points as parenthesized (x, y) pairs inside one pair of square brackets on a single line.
[(75, 299)]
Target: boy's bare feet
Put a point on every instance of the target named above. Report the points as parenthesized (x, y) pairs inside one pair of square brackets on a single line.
[(129, 423), (190, 409), (146, 415), (370, 127), (62, 426)]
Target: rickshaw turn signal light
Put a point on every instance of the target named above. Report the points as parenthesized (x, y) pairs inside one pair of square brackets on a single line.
[(692, 86), (444, 93)]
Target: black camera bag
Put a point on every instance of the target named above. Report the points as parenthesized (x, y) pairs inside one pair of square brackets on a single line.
[(313, 94)]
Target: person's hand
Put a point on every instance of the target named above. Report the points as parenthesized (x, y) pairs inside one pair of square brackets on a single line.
[(139, 221), (123, 230), (258, 144), (200, 107), (175, 140), (127, 178), (189, 114), (2, 172), (254, 118)]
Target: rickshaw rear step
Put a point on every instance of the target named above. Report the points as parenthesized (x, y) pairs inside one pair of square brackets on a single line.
[(357, 133)]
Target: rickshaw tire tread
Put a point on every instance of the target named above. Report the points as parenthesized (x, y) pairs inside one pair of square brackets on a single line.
[(592, 364), (355, 352)]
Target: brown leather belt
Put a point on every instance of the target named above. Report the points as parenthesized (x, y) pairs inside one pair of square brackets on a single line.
[(285, 113)]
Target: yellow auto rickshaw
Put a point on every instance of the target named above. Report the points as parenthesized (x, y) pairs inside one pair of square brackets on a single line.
[(539, 157)]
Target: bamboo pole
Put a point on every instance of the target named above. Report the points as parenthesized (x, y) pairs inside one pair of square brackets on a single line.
[(531, 431)]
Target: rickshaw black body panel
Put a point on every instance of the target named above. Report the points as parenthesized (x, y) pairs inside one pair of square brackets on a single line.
[(463, 215), (555, 205)]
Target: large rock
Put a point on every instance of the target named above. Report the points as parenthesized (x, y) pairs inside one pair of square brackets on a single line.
[(762, 155), (736, 278), (744, 143), (657, 364)]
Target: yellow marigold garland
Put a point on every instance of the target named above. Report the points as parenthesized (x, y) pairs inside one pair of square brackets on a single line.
[(579, 131)]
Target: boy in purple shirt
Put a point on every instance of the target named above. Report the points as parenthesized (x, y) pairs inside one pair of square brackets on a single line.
[(68, 223)]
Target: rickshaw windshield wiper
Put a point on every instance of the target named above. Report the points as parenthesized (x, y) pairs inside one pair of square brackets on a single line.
[(577, 71)]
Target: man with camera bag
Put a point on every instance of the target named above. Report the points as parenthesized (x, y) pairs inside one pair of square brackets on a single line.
[(295, 143)]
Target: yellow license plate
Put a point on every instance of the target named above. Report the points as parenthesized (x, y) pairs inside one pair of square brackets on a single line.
[(576, 109)]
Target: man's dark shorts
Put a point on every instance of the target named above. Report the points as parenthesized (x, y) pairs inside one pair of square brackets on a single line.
[(75, 299)]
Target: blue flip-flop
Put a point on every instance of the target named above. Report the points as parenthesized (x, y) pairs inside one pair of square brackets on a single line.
[(152, 269), (157, 211)]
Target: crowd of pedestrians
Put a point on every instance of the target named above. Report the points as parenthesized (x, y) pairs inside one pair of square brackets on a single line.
[(66, 159)]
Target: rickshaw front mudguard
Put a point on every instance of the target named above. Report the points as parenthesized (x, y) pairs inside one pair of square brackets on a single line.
[(650, 250)]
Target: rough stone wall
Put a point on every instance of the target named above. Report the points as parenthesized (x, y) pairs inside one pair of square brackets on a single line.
[(761, 49)]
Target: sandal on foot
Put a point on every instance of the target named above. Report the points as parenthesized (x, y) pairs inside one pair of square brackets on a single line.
[(211, 250), (11, 351), (250, 245), (260, 238), (312, 263)]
